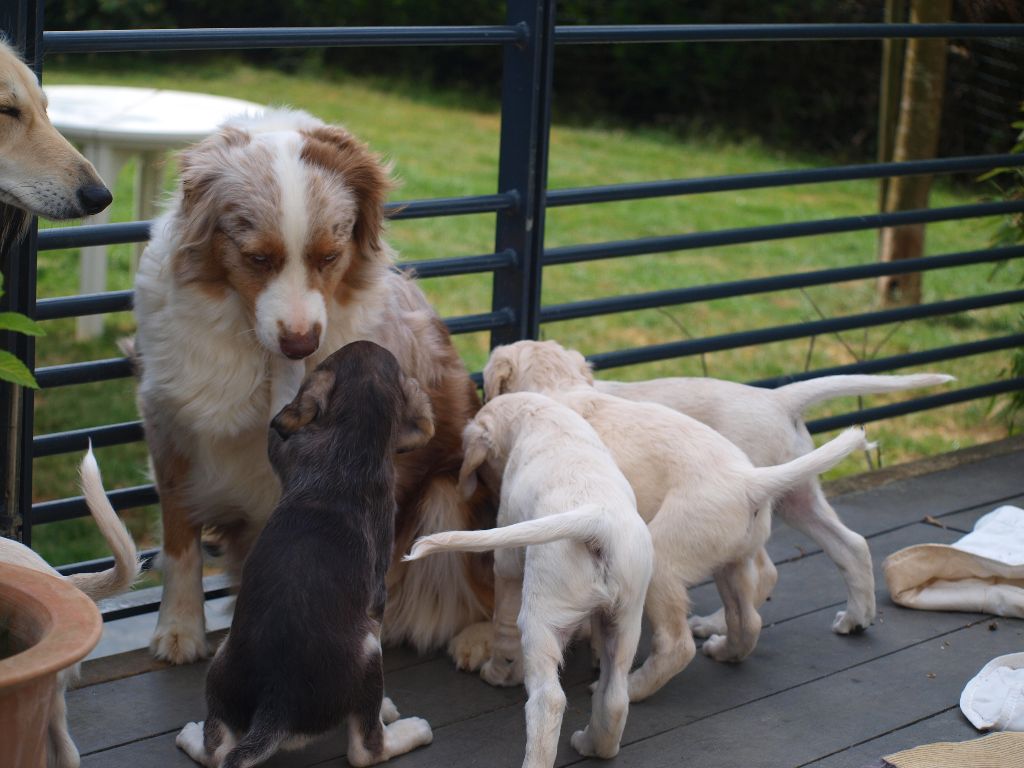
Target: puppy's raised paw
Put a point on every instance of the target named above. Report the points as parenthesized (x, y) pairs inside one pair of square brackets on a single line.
[(472, 646)]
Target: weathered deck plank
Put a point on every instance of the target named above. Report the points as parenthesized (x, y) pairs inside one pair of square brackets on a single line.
[(805, 697)]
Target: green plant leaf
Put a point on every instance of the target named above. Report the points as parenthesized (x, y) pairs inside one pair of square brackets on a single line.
[(13, 370), (15, 321)]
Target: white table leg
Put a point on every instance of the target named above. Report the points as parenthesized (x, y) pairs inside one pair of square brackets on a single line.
[(93, 278), (148, 175)]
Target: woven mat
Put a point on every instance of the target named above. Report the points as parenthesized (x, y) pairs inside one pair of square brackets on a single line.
[(997, 750)]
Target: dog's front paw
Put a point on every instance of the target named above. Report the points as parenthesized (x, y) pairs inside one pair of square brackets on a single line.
[(472, 646), (502, 672), (706, 626), (846, 623), (717, 647), (179, 643)]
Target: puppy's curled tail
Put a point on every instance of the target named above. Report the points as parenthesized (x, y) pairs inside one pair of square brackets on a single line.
[(114, 580), (262, 740), (580, 524), (801, 395), (770, 482)]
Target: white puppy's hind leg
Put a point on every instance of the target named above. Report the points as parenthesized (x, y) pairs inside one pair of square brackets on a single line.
[(610, 702), (807, 510), (61, 751), (767, 578), (505, 666), (672, 646), (737, 584), (542, 653)]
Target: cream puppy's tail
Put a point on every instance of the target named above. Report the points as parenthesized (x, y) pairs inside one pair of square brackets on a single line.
[(769, 482), (114, 580), (801, 395), (581, 524)]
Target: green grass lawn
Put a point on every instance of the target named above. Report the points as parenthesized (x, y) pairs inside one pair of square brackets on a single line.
[(442, 146)]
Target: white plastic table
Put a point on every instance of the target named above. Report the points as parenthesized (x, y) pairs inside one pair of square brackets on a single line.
[(113, 124)]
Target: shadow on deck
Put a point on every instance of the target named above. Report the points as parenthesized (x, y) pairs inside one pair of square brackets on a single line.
[(806, 697)]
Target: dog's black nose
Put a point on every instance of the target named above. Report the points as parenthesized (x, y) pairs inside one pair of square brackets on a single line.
[(94, 197)]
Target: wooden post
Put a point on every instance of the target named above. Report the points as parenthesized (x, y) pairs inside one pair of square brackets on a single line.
[(917, 138)]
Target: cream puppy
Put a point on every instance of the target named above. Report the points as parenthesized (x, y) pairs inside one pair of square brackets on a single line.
[(708, 509), (588, 556)]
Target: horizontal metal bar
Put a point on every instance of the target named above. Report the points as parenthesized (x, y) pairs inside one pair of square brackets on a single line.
[(893, 362), (83, 373), (740, 181), (93, 234), (461, 265), (75, 506), (744, 33), (78, 439), (84, 304), (109, 40), (138, 231), (485, 321), (675, 296), (578, 253), (798, 330), (102, 563), (917, 404), (452, 206)]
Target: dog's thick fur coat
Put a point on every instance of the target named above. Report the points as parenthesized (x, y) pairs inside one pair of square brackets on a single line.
[(588, 556), (272, 250), (303, 654)]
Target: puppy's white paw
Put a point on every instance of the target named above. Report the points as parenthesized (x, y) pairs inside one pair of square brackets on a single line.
[(472, 646), (846, 623), (410, 732), (717, 647), (706, 626), (179, 642), (502, 672), (190, 741), (388, 711)]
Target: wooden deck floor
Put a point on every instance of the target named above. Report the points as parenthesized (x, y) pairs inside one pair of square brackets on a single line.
[(805, 697)]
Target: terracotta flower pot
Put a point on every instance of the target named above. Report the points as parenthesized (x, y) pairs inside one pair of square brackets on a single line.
[(48, 625)]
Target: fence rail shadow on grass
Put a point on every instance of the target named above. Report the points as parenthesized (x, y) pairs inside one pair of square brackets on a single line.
[(527, 43)]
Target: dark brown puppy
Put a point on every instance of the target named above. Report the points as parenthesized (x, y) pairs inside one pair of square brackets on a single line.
[(303, 653)]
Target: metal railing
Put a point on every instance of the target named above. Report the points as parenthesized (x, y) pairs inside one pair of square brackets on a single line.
[(527, 41)]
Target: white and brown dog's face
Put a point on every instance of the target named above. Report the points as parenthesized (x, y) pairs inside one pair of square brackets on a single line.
[(40, 172), (288, 213)]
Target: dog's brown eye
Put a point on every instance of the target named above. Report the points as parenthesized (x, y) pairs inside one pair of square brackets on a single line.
[(10, 112), (259, 259), (329, 258)]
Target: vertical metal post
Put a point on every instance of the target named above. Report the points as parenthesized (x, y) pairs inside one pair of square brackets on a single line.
[(22, 23), (523, 165)]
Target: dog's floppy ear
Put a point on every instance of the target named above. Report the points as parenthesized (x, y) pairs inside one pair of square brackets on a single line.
[(307, 405), (476, 447), (497, 373), (336, 149), (199, 167), (416, 425)]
